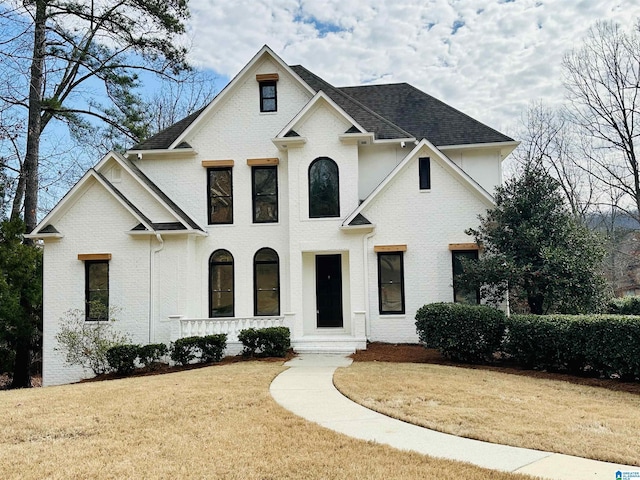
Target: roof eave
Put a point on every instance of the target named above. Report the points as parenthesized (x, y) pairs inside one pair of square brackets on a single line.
[(43, 235), (284, 143), (173, 153), (167, 232), (505, 147)]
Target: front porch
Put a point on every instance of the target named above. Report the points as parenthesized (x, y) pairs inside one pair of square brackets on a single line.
[(321, 341)]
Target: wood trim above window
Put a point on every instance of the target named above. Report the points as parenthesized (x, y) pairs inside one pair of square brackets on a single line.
[(94, 256), (256, 162), (463, 246), (390, 248), (267, 77), (217, 163)]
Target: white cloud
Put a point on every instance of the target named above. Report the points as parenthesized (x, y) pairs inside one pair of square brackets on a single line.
[(502, 55)]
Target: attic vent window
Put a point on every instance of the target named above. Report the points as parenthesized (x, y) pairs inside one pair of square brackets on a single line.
[(268, 92)]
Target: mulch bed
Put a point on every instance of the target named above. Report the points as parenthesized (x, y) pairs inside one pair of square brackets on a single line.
[(387, 352)]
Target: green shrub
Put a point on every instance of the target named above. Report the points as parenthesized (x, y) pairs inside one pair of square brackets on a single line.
[(265, 342), (184, 350), (624, 306), (605, 345), (212, 347), (466, 333), (152, 353), (122, 358)]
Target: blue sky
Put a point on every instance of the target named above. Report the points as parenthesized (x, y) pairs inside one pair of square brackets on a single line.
[(489, 58)]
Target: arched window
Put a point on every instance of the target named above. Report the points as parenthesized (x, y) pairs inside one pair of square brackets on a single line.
[(266, 280), (221, 284), (324, 188)]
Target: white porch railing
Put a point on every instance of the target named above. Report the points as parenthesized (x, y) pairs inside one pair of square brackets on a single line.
[(189, 327)]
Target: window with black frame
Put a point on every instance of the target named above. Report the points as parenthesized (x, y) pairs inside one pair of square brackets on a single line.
[(265, 194), (460, 293), (221, 284), (268, 97), (97, 290), (324, 188), (391, 282), (220, 195), (266, 278)]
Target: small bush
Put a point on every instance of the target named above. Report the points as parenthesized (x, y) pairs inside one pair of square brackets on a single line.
[(465, 333), (184, 350), (265, 342), (152, 353), (122, 358), (212, 347), (624, 306)]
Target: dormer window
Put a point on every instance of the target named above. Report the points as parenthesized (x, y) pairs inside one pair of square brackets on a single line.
[(268, 92)]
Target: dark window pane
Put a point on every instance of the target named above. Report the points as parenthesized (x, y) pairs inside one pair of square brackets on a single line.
[(391, 282), (324, 189), (391, 298), (390, 269), (265, 194), (268, 97), (268, 91), (267, 303), (220, 196), (97, 290), (425, 173), (267, 276), (221, 284), (266, 282), (460, 294)]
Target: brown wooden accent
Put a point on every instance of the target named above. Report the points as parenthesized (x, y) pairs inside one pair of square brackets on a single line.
[(267, 77), (217, 163), (463, 246), (94, 256), (252, 162), (390, 248)]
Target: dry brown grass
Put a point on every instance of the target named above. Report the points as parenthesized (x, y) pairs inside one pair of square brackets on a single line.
[(497, 407), (217, 422)]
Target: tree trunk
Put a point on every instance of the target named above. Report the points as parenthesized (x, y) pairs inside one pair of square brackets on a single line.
[(16, 206), (32, 155), (22, 367)]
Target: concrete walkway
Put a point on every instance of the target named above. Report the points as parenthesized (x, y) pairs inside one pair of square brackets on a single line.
[(307, 390)]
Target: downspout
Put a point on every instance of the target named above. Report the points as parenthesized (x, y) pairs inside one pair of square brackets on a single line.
[(365, 252), (152, 283)]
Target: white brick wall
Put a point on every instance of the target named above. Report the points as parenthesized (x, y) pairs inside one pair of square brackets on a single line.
[(97, 223)]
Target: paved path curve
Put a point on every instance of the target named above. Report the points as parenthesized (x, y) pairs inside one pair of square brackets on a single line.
[(307, 390)]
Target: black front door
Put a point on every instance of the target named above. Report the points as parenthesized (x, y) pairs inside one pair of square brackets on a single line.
[(329, 290)]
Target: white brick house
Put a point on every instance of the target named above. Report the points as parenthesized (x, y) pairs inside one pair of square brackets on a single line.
[(337, 212)]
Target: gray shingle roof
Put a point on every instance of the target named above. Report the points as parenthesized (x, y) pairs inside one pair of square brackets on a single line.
[(423, 115), (392, 111), (166, 137), (365, 116)]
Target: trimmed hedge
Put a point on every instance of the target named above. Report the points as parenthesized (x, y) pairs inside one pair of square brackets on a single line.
[(602, 345), (624, 306), (122, 358), (209, 348), (606, 345), (265, 342), (465, 333)]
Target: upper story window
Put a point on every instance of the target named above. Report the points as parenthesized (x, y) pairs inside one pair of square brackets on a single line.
[(268, 97), (96, 286), (220, 195), (266, 279), (324, 188), (221, 283), (268, 92), (265, 193), (425, 173)]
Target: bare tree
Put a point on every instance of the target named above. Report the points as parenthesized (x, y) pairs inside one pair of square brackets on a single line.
[(602, 79), (548, 141)]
